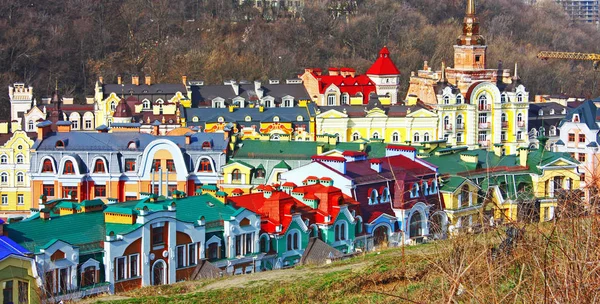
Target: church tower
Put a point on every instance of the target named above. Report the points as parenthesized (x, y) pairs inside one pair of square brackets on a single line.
[(470, 48), (21, 100)]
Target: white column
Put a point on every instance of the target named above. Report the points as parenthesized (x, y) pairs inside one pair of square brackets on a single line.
[(109, 266), (172, 249), (145, 255)]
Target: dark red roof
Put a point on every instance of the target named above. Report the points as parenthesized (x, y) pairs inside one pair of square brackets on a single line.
[(354, 153), (399, 147), (383, 65), (289, 184)]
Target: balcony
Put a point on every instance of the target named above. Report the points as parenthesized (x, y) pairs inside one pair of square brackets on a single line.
[(460, 126), (484, 143), (448, 127), (485, 107), (504, 124), (520, 124), (484, 125)]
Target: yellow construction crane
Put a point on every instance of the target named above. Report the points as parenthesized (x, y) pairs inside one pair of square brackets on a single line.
[(595, 58)]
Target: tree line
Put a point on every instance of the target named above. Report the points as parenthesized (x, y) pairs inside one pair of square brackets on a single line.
[(75, 41)]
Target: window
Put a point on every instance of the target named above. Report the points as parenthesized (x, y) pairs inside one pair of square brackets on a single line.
[(344, 98), (7, 291), (88, 124), (355, 136), (482, 136), (3, 159), (20, 159), (503, 136), (20, 199), (158, 235), (181, 256), (48, 190), (192, 254), (75, 124), (69, 191), (519, 135), (120, 268), (447, 122), (69, 169), (503, 98), (446, 99), (134, 265), (331, 100), (581, 157), (551, 111), (293, 241), (129, 164), (170, 165), (20, 177), (416, 137), (340, 231), (47, 166), (459, 137), (415, 191), (520, 117), (146, 104), (288, 103), (236, 175), (459, 99), (459, 120), (375, 135), (4, 178), (88, 276), (426, 136), (503, 117), (571, 137), (99, 166), (113, 105), (196, 119), (23, 292), (205, 165), (260, 173), (100, 190), (156, 165), (519, 97), (30, 125), (482, 118), (4, 199), (206, 145), (581, 138), (395, 137), (483, 103)]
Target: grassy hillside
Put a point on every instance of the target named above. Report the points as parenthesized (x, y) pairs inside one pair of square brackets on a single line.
[(553, 262)]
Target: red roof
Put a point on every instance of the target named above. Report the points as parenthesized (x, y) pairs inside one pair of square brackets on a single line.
[(383, 65), (399, 147), (354, 153), (360, 85), (326, 178), (237, 191), (310, 196), (375, 161), (289, 184), (312, 177), (268, 188)]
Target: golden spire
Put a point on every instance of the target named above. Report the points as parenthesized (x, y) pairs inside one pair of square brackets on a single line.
[(470, 7), (443, 71)]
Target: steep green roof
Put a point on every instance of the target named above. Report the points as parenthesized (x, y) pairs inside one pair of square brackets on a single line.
[(242, 163), (542, 158), (75, 229), (210, 187), (262, 149), (91, 203), (282, 165), (452, 183)]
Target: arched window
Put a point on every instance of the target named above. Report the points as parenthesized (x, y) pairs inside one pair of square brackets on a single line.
[(236, 175), (446, 99), (459, 120), (113, 105), (385, 195), (459, 99), (355, 136), (206, 145), (459, 137), (503, 117), (20, 177), (373, 197), (503, 98), (69, 169), (60, 144), (47, 166), (20, 159), (99, 166), (195, 119), (426, 136), (331, 100), (293, 240), (483, 103), (4, 178), (375, 135), (519, 97), (146, 104), (395, 137), (414, 191), (551, 111), (541, 112), (345, 98), (520, 117), (416, 137), (205, 166), (553, 131), (30, 125), (3, 159), (447, 122)]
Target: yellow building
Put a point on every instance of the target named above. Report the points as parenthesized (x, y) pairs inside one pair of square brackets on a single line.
[(478, 107), (17, 273), (415, 122), (15, 193)]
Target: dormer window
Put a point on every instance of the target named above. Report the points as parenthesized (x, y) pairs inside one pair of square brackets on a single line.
[(520, 98), (220, 119), (276, 119), (206, 145), (299, 118), (446, 99), (551, 111), (575, 117), (459, 99), (195, 119), (60, 144), (248, 118), (132, 145), (503, 98), (564, 111), (69, 169), (541, 112), (146, 104)]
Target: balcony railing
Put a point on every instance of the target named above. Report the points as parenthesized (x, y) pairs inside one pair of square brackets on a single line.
[(460, 126), (485, 107), (448, 127), (504, 124), (484, 125), (484, 143)]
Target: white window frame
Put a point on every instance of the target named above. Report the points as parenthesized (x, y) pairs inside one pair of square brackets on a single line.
[(331, 100), (355, 136), (4, 199), (416, 137), (137, 266), (4, 178), (88, 124), (20, 159), (192, 252), (20, 177), (184, 264), (3, 159), (395, 137), (20, 199), (426, 137), (124, 258)]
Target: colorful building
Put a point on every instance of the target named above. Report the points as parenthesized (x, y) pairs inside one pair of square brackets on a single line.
[(343, 87), (292, 214), (120, 165), (478, 107), (15, 180), (17, 272)]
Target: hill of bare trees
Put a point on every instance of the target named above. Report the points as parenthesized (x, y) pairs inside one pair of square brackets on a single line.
[(75, 41)]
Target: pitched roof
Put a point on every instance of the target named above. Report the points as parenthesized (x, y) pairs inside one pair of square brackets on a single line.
[(318, 252), (9, 247), (383, 65)]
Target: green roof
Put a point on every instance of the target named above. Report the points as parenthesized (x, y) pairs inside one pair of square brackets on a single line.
[(210, 187), (66, 205), (91, 203), (120, 210), (283, 165), (452, 183), (263, 149), (121, 228), (75, 229), (221, 193), (243, 163)]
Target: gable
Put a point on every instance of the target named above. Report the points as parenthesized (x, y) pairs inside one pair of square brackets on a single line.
[(422, 113), (332, 114)]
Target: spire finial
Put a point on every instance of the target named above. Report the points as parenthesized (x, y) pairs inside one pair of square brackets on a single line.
[(443, 71), (470, 7), (516, 70), (56, 84)]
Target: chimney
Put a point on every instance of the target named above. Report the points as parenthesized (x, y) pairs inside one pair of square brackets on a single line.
[(119, 80), (406, 151), (320, 149), (188, 138), (42, 201), (375, 165), (499, 150), (184, 79), (148, 80), (258, 89), (101, 79), (470, 158), (63, 126), (336, 162), (261, 108), (43, 129), (45, 214), (334, 71), (523, 152), (135, 80)]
